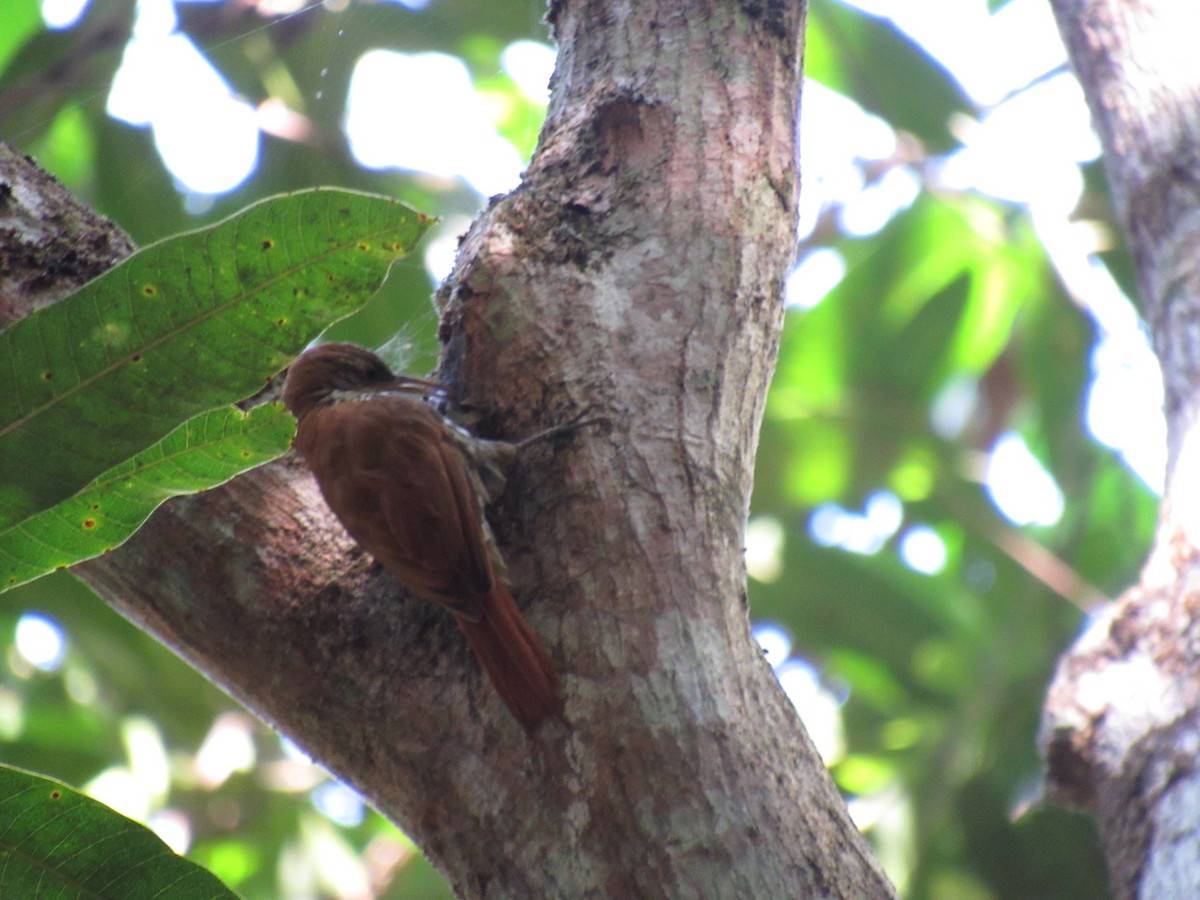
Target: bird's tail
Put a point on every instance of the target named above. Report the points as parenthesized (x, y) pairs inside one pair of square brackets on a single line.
[(514, 659)]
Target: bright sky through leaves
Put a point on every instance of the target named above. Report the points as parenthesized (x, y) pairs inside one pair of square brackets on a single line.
[(207, 137), (40, 640), (1026, 147), (420, 112)]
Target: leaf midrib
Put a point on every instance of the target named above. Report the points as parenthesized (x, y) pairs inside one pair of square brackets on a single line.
[(191, 323)]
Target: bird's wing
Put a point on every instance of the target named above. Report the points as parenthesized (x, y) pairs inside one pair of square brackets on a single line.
[(403, 491)]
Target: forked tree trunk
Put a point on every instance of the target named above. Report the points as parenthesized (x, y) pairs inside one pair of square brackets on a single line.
[(1121, 734), (636, 274)]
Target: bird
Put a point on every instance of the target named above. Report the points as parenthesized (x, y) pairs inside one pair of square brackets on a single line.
[(409, 486)]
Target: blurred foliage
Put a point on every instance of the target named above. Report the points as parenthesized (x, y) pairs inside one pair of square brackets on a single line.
[(941, 676)]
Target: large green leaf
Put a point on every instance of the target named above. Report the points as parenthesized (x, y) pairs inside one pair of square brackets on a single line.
[(201, 453), (183, 326), (55, 842)]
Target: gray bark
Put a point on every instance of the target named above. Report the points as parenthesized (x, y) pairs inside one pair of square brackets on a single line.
[(1121, 735)]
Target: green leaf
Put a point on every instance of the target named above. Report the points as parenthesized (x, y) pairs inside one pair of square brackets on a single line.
[(55, 842), (869, 59), (201, 453), (186, 325)]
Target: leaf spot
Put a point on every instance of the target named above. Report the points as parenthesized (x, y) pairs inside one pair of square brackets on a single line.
[(89, 523), (267, 244), (136, 358), (47, 376), (149, 290), (112, 334), (56, 795)]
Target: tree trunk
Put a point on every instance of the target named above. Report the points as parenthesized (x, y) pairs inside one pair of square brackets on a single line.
[(1121, 735), (636, 274)]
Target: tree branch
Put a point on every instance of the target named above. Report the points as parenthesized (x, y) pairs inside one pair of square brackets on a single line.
[(1120, 734)]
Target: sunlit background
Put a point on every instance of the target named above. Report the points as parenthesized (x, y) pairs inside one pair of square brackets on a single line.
[(993, 205)]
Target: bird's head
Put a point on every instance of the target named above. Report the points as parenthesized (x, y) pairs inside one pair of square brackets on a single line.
[(337, 371)]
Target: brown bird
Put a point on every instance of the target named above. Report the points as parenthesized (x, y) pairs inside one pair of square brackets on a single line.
[(409, 487)]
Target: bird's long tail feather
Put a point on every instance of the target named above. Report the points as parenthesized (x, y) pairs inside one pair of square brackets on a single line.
[(514, 659)]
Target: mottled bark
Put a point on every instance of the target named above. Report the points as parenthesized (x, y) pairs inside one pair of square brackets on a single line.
[(1122, 728)]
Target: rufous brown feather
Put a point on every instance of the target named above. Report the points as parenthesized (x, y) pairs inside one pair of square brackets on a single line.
[(406, 485)]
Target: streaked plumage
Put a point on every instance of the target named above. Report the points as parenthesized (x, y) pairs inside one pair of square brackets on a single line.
[(401, 480)]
